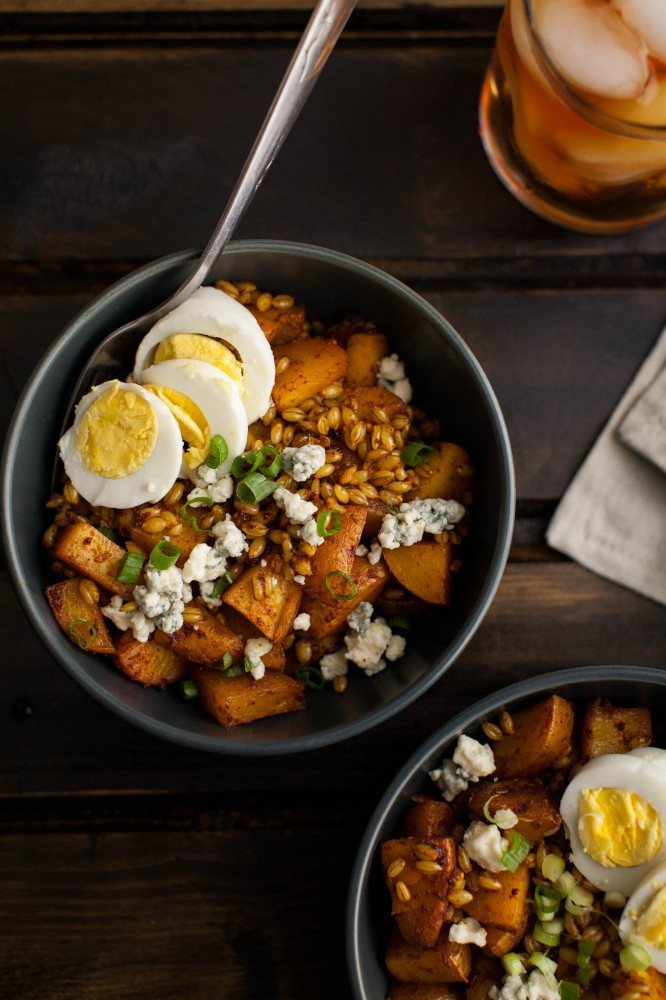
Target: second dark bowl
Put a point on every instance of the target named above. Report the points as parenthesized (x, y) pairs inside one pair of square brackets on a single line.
[(448, 382)]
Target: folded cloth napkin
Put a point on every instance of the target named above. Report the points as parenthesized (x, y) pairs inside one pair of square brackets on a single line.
[(644, 427), (612, 518)]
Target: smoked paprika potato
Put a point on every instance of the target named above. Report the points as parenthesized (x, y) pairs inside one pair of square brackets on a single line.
[(79, 619), (313, 364), (92, 554), (447, 962), (364, 352), (506, 908), (204, 642), (367, 399), (234, 701), (273, 612), (420, 917), (452, 475), (499, 942), (429, 818), (328, 614), (542, 734), (486, 973), (148, 663), (188, 535), (424, 569), (614, 730), (533, 804)]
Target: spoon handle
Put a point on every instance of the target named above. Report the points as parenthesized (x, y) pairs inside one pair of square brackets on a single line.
[(317, 42)]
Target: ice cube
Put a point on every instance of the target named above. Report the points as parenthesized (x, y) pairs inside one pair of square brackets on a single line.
[(593, 48), (648, 19)]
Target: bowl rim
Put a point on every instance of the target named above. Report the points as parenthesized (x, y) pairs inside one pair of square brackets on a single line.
[(361, 871), (340, 731)]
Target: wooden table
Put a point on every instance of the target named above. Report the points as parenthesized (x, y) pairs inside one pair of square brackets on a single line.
[(133, 868)]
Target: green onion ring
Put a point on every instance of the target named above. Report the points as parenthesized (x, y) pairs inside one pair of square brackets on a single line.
[(312, 677), (254, 488), (164, 555), (329, 522), (350, 595), (92, 632), (416, 453), (190, 518), (129, 568), (219, 450)]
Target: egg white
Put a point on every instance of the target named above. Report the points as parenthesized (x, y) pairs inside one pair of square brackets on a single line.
[(627, 772), (214, 393), (213, 313), (639, 900), (147, 483)]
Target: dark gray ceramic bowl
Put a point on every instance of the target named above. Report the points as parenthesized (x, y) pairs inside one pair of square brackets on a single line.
[(368, 921), (449, 383)]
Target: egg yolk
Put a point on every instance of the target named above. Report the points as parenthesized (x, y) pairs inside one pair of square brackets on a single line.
[(197, 347), (117, 433), (191, 421), (618, 828), (651, 924)]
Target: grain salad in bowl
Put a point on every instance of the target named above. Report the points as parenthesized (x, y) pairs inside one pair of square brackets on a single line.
[(257, 509), (535, 867)]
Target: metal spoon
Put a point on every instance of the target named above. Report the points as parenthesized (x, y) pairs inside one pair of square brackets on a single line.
[(317, 42)]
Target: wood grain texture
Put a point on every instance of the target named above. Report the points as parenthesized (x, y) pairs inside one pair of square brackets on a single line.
[(559, 362), (546, 615), (232, 6), (171, 915), (384, 162)]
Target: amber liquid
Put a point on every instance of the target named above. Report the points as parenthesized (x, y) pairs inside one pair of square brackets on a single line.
[(558, 161)]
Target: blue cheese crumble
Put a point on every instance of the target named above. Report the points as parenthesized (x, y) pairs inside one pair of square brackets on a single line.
[(212, 484), (485, 844), (368, 642), (536, 987), (417, 517), (471, 760), (468, 931), (254, 650), (163, 598), (295, 507), (391, 376), (301, 463), (230, 540), (142, 627)]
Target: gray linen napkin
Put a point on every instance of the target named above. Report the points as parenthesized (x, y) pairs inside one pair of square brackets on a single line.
[(644, 427), (612, 518)]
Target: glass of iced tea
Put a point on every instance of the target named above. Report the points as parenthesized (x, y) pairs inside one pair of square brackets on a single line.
[(573, 110)]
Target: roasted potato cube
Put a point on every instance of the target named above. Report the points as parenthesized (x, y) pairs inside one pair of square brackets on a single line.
[(614, 730), (505, 908), (364, 352), (328, 614), (368, 398), (186, 539), (280, 325), (535, 807), (486, 973), (396, 601), (376, 512), (149, 663), (72, 610), (499, 942), (234, 701), (274, 611), (542, 734), (657, 981), (205, 641), (422, 991), (452, 475), (420, 912), (313, 364), (429, 818), (424, 569), (447, 962), (335, 554), (92, 554), (650, 985)]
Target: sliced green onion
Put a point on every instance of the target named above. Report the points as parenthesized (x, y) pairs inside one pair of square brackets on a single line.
[(544, 936), (233, 671), (227, 660), (246, 463), (312, 677), (545, 965), (247, 666), (486, 807), (129, 568), (190, 518), (110, 533), (634, 958), (555, 926), (164, 555), (552, 867), (83, 642), (400, 622), (254, 488), (221, 585), (513, 965), (188, 690), (566, 882), (585, 951), (579, 901), (517, 853), (547, 899), (348, 595), (329, 522), (416, 453), (271, 470), (219, 450), (569, 991)]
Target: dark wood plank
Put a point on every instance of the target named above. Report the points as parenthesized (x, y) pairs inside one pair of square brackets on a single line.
[(161, 916), (144, 164), (547, 615), (559, 362)]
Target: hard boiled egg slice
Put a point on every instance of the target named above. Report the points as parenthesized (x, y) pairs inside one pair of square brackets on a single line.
[(124, 447), (614, 813), (204, 402), (199, 328), (643, 919)]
